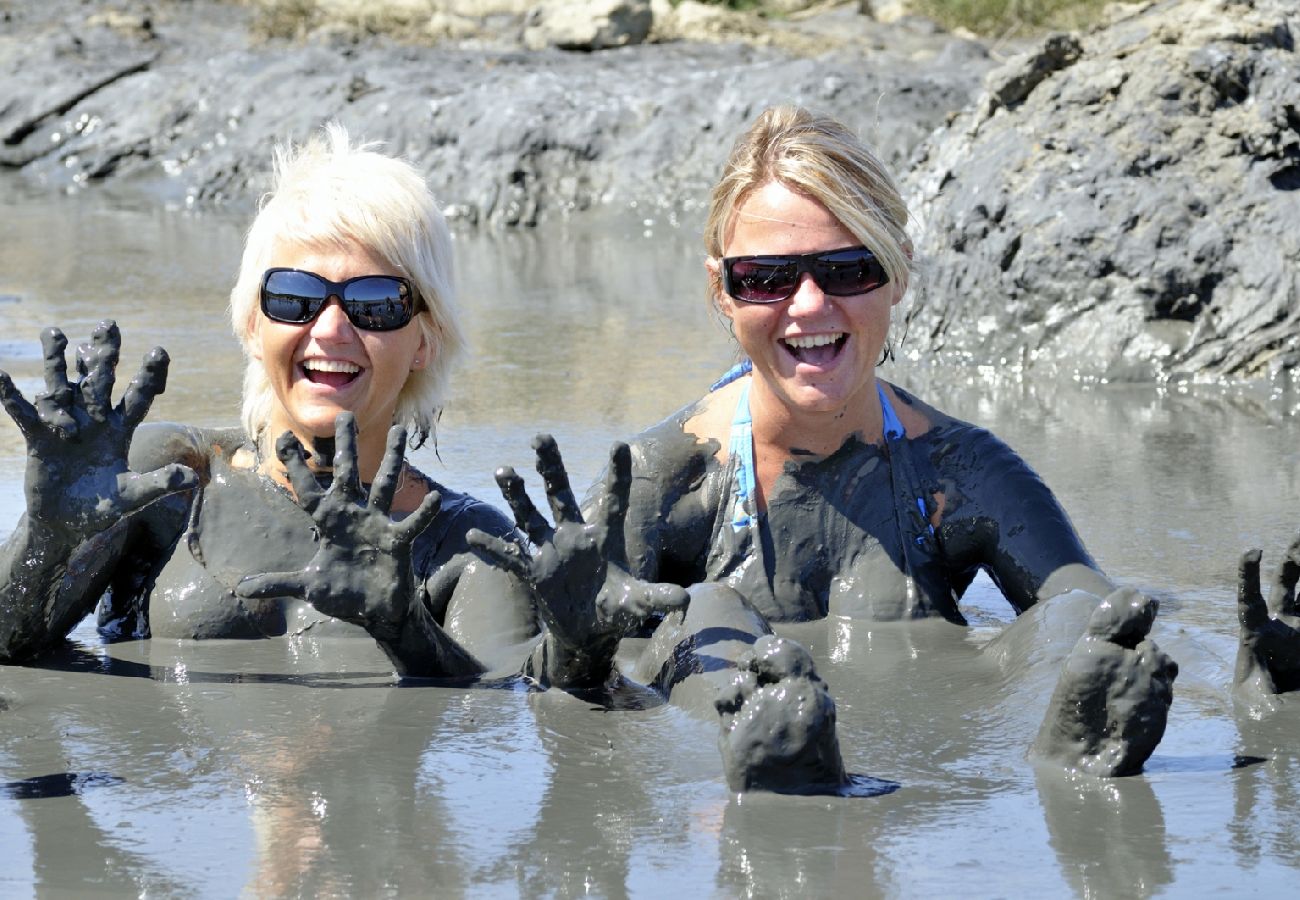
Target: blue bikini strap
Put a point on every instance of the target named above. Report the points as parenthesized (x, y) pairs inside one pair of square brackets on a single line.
[(741, 444)]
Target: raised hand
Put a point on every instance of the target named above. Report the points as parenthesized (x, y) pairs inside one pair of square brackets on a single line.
[(77, 480), (361, 572), (1268, 654), (578, 569), (1110, 707)]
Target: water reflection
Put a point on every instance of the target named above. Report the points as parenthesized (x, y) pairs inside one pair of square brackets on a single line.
[(287, 768)]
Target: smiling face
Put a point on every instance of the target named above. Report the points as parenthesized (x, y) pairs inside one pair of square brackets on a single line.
[(813, 353), (327, 366)]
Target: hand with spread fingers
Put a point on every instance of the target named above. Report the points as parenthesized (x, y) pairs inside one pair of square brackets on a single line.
[(578, 569), (361, 572), (1268, 655), (78, 482)]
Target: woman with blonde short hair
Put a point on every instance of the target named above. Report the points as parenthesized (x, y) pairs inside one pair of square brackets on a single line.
[(307, 520)]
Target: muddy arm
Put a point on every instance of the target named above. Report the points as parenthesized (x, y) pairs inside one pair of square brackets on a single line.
[(999, 515), (80, 491)]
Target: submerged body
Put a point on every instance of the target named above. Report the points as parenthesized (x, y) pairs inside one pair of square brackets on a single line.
[(881, 531), (192, 549)]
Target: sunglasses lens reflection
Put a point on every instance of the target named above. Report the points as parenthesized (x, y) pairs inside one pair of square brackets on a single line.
[(759, 281), (771, 279), (292, 296), (371, 302), (845, 273), (377, 303)]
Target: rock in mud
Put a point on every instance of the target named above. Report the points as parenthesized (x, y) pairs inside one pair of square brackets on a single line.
[(1123, 204)]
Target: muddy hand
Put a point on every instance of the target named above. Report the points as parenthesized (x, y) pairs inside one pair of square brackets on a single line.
[(578, 569), (361, 572), (778, 723), (1110, 707), (77, 480), (1268, 654)]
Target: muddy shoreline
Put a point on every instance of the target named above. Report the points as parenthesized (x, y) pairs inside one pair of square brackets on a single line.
[(1111, 206)]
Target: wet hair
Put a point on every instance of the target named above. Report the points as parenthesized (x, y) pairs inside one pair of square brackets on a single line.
[(818, 156), (327, 194)]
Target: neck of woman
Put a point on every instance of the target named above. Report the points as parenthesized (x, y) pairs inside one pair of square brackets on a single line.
[(787, 432)]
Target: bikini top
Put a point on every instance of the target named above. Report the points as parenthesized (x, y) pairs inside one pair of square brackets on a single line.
[(902, 474)]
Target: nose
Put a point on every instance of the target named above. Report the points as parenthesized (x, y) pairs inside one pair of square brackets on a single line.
[(808, 296), (332, 323)]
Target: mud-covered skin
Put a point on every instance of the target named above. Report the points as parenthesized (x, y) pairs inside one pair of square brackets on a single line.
[(578, 570), (167, 565), (778, 723), (80, 492), (843, 534), (1268, 653), (1110, 707)]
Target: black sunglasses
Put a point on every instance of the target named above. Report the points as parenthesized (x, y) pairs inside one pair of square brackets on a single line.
[(771, 279), (371, 302)]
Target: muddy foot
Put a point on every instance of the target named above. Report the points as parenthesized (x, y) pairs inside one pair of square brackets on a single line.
[(778, 724), (1109, 709)]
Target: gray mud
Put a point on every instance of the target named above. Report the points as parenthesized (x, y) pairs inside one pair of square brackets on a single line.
[(190, 107), (288, 766), (1122, 204)]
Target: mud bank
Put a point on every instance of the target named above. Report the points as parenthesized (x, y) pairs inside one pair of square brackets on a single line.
[(184, 99), (1116, 205), (1122, 204)]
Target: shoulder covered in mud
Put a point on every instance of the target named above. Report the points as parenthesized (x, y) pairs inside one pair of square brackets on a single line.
[(157, 444)]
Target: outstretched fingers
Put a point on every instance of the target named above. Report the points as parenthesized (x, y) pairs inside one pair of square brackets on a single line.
[(527, 518), (347, 478), (54, 406), (1282, 598), (1251, 611), (272, 584), (290, 451), (148, 383), (138, 491), (564, 506), (57, 388), (413, 525), (384, 489), (97, 365), (503, 553), (613, 503), (20, 410), (629, 607)]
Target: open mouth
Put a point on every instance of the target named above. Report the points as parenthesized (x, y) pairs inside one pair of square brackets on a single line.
[(815, 349), (330, 372)]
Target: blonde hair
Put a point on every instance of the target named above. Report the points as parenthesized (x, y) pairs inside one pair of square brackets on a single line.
[(818, 156), (331, 194)]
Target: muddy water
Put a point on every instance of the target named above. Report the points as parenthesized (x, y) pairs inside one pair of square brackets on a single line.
[(274, 767)]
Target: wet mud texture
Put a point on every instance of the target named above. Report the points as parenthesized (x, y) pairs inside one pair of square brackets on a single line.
[(1122, 204), (1111, 705), (190, 106)]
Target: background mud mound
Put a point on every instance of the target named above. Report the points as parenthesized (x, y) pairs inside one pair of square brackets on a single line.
[(1123, 205), (186, 101)]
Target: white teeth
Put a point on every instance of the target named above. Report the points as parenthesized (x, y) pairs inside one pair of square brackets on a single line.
[(330, 365), (808, 341)]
